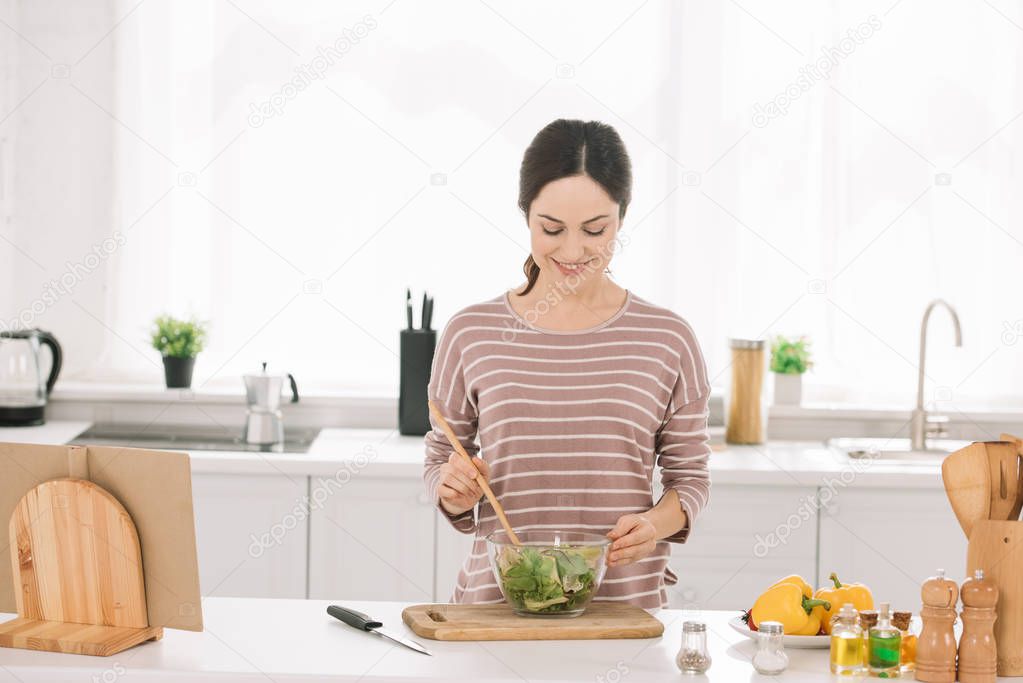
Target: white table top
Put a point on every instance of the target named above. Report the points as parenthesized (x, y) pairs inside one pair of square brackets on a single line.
[(261, 640)]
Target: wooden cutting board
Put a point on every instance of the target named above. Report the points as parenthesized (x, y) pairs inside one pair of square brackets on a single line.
[(601, 620), (78, 572)]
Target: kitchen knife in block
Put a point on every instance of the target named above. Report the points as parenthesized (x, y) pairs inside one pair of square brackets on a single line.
[(1019, 464), (996, 546), (77, 572), (967, 477), (1003, 460)]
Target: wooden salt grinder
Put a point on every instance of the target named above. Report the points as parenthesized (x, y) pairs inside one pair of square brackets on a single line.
[(936, 647), (978, 654)]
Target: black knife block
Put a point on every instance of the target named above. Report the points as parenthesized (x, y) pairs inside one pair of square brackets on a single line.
[(416, 359)]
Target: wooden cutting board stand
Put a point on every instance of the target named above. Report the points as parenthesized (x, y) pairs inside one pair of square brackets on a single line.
[(601, 620), (78, 573), (996, 546)]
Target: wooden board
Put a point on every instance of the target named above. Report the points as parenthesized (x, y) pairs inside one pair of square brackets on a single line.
[(997, 548), (77, 567), (79, 639), (77, 557), (498, 622)]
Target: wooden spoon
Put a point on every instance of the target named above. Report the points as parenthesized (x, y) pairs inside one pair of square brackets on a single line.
[(1014, 515), (967, 477), (1003, 460), (481, 479)]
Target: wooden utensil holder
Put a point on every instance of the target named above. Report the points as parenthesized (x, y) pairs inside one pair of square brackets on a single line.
[(997, 547), (78, 573)]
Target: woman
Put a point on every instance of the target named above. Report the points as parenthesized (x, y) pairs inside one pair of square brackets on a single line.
[(575, 386)]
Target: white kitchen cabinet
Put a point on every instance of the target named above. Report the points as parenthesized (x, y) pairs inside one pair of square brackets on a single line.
[(251, 534), (891, 540), (372, 539), (452, 549), (747, 538)]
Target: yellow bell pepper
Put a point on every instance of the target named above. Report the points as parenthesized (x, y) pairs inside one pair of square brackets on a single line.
[(799, 581), (786, 603), (813, 624), (841, 593)]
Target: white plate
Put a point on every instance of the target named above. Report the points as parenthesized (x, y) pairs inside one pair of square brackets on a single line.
[(821, 642)]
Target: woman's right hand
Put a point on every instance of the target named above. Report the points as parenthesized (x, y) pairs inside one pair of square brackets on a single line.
[(459, 487)]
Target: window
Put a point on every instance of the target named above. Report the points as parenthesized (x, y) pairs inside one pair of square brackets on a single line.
[(285, 171)]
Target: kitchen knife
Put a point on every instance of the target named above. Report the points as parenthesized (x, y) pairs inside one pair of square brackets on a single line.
[(408, 306), (364, 623), (428, 314)]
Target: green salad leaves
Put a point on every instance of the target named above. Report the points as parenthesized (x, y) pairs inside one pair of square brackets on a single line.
[(548, 580)]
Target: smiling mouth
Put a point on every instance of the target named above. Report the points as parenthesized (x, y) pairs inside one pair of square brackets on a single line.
[(572, 267)]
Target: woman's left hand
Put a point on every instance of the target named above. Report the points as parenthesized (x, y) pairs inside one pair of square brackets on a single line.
[(633, 538)]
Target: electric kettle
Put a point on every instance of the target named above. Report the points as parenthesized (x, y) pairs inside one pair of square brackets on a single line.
[(23, 391), (264, 423)]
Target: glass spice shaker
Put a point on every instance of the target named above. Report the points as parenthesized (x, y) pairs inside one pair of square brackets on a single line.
[(693, 657), (770, 658)]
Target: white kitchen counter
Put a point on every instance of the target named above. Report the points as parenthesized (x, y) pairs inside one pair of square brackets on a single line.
[(51, 432), (386, 453), (251, 640)]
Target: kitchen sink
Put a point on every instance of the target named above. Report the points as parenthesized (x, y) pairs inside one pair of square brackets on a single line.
[(187, 438), (895, 451)]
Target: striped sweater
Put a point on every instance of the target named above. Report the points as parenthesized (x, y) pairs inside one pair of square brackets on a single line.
[(572, 424)]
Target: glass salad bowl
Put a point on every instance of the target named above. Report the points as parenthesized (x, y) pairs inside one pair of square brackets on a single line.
[(552, 574)]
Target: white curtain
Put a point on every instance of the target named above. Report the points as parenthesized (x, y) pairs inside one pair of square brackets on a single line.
[(292, 168)]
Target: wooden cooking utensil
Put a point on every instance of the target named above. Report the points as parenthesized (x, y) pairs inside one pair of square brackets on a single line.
[(1014, 515), (967, 477), (481, 479), (1003, 460)]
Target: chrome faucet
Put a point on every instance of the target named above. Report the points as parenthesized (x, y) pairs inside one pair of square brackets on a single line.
[(921, 425)]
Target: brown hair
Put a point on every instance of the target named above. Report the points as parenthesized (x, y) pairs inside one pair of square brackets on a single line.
[(571, 147)]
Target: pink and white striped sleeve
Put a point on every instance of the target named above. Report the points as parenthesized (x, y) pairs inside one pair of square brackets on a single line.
[(682, 443), (446, 389)]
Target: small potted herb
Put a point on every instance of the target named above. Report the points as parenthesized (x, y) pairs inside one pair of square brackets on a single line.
[(790, 358), (179, 342)]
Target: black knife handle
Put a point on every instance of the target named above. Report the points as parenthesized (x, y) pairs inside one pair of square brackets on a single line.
[(352, 618)]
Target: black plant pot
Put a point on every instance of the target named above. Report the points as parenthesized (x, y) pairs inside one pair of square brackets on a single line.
[(178, 372)]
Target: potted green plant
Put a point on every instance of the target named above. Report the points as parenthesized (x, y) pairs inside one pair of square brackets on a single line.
[(179, 342), (790, 358)]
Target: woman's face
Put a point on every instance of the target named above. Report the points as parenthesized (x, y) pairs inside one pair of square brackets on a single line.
[(572, 225)]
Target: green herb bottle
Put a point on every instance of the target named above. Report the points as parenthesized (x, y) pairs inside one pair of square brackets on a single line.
[(885, 645)]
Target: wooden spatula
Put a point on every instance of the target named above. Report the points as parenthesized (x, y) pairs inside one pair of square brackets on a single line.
[(1003, 460), (967, 477), (1014, 515), (457, 445)]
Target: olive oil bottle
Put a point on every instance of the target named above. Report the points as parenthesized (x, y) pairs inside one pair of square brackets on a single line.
[(885, 643), (847, 644)]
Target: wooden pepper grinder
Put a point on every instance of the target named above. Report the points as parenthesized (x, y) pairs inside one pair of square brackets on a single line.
[(936, 647), (978, 655)]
